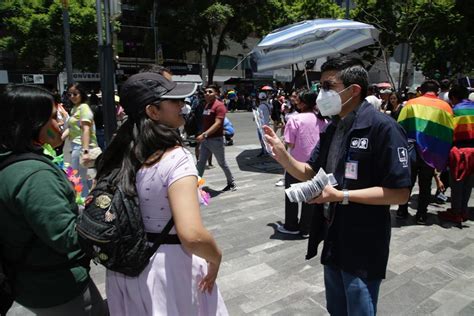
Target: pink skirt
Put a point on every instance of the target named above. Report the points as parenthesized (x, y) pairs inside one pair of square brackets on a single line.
[(167, 286)]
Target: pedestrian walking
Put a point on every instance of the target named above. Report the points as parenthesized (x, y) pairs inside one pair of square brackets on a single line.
[(463, 139), (301, 136), (211, 139), (427, 121), (371, 174), (180, 277), (39, 247), (81, 133)]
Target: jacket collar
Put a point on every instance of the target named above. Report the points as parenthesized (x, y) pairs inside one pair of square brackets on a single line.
[(364, 116)]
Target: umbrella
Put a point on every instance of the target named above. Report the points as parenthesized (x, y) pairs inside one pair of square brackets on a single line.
[(266, 88), (311, 39), (384, 85)]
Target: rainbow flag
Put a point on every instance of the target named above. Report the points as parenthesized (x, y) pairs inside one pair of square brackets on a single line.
[(429, 121), (464, 122)]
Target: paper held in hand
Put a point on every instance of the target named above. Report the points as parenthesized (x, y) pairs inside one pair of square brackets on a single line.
[(257, 115), (308, 190)]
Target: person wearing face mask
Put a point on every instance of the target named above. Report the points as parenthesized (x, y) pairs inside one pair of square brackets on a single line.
[(38, 242), (154, 165), (366, 151)]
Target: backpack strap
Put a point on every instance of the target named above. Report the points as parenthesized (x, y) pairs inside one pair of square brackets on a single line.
[(161, 237)]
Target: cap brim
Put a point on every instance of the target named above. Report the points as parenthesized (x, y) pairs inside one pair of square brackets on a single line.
[(181, 91)]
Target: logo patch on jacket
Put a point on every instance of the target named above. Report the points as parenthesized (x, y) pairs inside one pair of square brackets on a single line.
[(360, 143)]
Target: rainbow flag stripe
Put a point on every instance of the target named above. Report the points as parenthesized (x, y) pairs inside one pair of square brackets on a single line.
[(429, 121), (464, 121)]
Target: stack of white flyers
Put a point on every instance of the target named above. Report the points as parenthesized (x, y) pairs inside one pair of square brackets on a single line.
[(258, 118), (306, 191)]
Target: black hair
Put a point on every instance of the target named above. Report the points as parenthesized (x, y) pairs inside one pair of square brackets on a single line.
[(94, 99), (82, 91), (25, 110), (398, 95), (156, 69), (444, 84), (308, 98), (350, 70), (213, 87), (136, 140), (459, 92), (429, 86)]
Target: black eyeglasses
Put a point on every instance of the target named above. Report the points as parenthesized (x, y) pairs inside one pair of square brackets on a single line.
[(328, 85), (209, 91)]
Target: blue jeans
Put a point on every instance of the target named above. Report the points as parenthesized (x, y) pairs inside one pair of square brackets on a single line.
[(347, 294), (82, 171), (214, 145), (100, 134)]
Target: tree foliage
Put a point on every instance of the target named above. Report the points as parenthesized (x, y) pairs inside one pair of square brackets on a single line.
[(208, 25), (32, 30), (438, 31)]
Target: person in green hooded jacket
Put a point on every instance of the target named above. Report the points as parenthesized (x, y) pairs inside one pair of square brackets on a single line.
[(38, 240)]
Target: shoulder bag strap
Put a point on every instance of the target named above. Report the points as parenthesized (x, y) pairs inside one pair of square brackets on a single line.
[(159, 240)]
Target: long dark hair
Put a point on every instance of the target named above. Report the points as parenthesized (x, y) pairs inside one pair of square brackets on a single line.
[(136, 140), (82, 91), (24, 111)]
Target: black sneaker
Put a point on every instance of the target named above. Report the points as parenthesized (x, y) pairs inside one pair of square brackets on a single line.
[(230, 187), (402, 214), (421, 219)]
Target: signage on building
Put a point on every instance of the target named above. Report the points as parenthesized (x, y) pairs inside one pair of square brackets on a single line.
[(86, 76), (34, 79), (183, 68)]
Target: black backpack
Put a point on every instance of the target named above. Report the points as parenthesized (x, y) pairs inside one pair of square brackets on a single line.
[(8, 270), (111, 229)]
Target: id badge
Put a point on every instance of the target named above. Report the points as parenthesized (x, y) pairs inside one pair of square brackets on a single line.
[(351, 170), (206, 112)]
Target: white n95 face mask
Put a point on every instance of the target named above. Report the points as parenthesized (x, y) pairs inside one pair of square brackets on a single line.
[(329, 102)]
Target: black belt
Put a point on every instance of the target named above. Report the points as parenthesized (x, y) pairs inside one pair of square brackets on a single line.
[(168, 239)]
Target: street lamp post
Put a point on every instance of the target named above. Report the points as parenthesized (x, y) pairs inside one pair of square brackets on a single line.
[(106, 64), (67, 41), (347, 9)]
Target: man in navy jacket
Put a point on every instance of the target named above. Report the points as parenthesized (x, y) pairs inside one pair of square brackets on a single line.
[(367, 153)]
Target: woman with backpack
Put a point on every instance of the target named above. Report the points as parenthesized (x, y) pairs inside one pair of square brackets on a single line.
[(180, 276), (39, 249)]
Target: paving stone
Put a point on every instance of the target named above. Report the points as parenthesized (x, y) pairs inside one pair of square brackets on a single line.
[(303, 307), (468, 310), (394, 283), (272, 289), (284, 303), (425, 308), (433, 279), (243, 277), (454, 297), (440, 246), (403, 299)]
